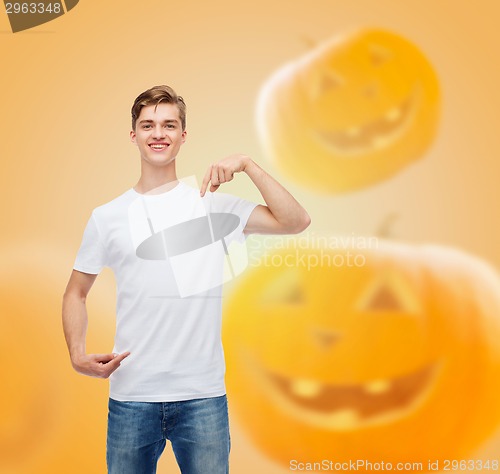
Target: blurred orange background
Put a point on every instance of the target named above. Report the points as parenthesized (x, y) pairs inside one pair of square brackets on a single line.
[(67, 89)]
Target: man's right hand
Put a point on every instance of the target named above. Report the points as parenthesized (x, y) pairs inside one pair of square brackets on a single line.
[(98, 365)]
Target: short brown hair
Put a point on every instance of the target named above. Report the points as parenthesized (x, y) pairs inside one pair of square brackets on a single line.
[(154, 96)]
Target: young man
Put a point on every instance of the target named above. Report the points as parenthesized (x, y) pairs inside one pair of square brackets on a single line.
[(167, 367)]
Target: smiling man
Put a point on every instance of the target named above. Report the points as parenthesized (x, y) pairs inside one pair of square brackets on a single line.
[(167, 366)]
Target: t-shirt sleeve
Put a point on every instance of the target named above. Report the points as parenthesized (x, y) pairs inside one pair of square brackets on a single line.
[(227, 203), (91, 257)]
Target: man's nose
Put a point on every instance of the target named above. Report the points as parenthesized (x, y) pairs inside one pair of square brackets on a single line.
[(158, 131)]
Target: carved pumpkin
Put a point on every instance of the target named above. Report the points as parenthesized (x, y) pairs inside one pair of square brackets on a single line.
[(352, 112), (391, 354), (53, 419)]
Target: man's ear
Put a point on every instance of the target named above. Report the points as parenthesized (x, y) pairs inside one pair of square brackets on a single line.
[(184, 133), (132, 137)]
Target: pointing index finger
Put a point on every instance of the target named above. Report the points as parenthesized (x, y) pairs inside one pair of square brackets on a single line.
[(120, 357), (205, 181)]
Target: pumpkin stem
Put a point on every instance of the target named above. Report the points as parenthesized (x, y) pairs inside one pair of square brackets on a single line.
[(309, 42), (384, 229)]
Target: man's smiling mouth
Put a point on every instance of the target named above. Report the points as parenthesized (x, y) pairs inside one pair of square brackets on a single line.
[(158, 146)]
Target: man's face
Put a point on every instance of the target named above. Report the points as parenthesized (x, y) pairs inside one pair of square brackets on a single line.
[(158, 133)]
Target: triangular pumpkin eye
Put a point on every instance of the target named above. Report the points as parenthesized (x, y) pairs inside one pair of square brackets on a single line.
[(322, 82), (286, 289), (389, 293), (384, 300), (378, 54), (330, 81)]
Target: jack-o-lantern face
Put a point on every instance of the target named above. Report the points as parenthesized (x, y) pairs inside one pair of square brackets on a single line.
[(366, 361), (356, 402), (351, 113)]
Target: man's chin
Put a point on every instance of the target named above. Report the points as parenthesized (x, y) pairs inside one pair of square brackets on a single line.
[(159, 162)]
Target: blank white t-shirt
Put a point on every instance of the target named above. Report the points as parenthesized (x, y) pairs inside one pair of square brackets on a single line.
[(170, 254)]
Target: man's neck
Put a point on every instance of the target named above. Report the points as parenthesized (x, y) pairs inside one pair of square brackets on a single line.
[(155, 180)]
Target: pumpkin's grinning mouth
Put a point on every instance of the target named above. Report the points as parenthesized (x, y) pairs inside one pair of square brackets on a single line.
[(344, 407), (377, 134), (367, 400)]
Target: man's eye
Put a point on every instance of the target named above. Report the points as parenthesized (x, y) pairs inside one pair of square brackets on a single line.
[(170, 125), (147, 126)]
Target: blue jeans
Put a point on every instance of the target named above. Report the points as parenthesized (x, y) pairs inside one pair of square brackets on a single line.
[(198, 430)]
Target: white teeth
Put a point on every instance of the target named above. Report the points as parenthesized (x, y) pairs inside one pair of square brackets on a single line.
[(377, 386), (305, 388), (344, 419), (380, 142), (393, 114)]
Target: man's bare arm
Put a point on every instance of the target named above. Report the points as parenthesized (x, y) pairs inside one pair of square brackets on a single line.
[(75, 321), (282, 213)]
